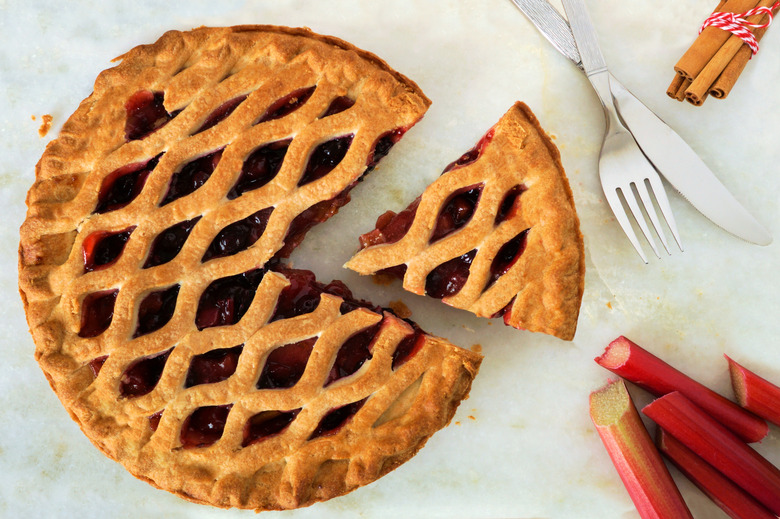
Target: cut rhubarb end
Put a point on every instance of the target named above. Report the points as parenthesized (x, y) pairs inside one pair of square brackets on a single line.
[(635, 364), (634, 455), (755, 393), (718, 446), (722, 491)]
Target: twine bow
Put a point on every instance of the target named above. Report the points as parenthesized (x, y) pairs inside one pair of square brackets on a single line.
[(737, 23)]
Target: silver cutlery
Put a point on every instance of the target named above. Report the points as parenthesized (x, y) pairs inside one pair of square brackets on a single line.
[(665, 150)]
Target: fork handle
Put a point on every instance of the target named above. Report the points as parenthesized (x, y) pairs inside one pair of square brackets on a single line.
[(600, 82)]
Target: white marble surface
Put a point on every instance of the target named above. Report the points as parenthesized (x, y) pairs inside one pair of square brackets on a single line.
[(522, 446)]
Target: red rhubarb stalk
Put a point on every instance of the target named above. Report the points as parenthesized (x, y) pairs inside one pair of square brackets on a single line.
[(632, 362), (718, 446), (634, 455), (730, 498), (755, 393)]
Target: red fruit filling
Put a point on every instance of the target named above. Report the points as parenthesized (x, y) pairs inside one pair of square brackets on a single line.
[(353, 354), (336, 418), (507, 256), (338, 105), (122, 186), (97, 310), (408, 347), (238, 235), (471, 155), (325, 158), (285, 365), (226, 300), (213, 366), (457, 211), (315, 214), (221, 113), (383, 145), (190, 177), (154, 420), (156, 310), (145, 114), (448, 278), (302, 295), (204, 426), (391, 227), (102, 248), (508, 206), (260, 167), (168, 243), (142, 375), (287, 104), (96, 364), (266, 424)]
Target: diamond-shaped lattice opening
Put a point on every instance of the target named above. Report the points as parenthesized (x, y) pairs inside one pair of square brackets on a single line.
[(192, 176), (238, 235), (141, 377), (123, 185), (226, 300), (213, 366), (204, 426), (260, 167), (285, 365), (336, 418), (168, 243), (456, 211), (101, 249), (267, 424), (155, 310), (355, 352), (97, 311), (448, 278)]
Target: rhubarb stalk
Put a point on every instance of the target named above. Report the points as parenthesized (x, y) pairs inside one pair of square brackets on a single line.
[(729, 497), (755, 393), (718, 446), (634, 455), (630, 361)]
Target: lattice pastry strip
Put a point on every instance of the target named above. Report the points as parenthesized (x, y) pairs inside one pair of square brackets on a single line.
[(496, 234), (151, 276)]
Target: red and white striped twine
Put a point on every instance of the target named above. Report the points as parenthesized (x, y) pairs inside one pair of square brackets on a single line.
[(737, 24)]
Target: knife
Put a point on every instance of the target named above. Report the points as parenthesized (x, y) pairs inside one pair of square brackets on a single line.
[(663, 147)]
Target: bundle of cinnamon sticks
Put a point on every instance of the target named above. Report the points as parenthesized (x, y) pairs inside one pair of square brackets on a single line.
[(716, 59)]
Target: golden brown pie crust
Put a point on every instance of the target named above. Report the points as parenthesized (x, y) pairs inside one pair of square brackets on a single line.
[(198, 71), (544, 288)]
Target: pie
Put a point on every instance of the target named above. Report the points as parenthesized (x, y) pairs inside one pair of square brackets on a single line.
[(496, 234), (152, 274)]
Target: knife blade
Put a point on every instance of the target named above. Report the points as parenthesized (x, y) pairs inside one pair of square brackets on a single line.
[(666, 150)]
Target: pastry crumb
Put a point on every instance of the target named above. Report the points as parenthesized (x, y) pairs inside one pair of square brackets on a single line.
[(472, 418), (32, 117), (382, 279), (457, 423), (609, 305), (468, 329), (45, 124), (476, 348), (400, 309)]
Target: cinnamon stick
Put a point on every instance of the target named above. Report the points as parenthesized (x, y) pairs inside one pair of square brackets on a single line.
[(709, 41), (680, 83), (725, 82), (700, 87)]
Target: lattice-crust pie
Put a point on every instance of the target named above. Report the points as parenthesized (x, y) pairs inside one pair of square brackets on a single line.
[(152, 277), (496, 234)]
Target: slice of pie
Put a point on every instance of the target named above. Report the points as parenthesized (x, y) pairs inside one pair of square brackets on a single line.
[(496, 234), (149, 268)]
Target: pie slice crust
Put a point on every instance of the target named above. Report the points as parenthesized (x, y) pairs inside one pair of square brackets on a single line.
[(150, 268), (496, 234)]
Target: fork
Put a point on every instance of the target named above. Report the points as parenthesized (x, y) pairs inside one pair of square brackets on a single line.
[(624, 170)]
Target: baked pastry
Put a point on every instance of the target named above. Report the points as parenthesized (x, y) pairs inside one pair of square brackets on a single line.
[(496, 234), (149, 268)]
